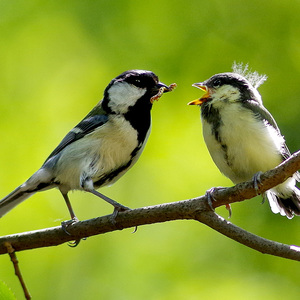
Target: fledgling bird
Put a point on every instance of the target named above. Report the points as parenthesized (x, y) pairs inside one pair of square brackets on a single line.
[(102, 147), (242, 136)]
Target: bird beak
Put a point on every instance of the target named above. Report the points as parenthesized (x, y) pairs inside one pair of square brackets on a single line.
[(204, 98), (162, 88)]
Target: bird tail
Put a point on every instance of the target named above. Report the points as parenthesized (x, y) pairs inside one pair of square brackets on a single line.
[(13, 199), (39, 181), (285, 199)]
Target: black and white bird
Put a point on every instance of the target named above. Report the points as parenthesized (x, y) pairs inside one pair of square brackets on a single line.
[(102, 147), (242, 136)]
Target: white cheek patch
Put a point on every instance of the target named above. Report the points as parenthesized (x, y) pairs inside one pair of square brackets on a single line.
[(226, 92), (231, 94), (123, 95)]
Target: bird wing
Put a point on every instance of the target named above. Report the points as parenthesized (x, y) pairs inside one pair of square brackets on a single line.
[(96, 118), (263, 114)]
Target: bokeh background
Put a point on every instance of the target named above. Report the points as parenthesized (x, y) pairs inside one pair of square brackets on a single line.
[(56, 58)]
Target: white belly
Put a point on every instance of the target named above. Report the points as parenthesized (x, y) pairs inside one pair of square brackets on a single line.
[(97, 154), (252, 145)]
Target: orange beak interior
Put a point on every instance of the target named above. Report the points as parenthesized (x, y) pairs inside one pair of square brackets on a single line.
[(204, 97)]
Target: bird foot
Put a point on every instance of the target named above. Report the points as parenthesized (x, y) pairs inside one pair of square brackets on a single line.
[(65, 225), (117, 209), (120, 208), (210, 198), (257, 181)]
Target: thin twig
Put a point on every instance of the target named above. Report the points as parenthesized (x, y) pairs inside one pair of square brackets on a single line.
[(14, 260)]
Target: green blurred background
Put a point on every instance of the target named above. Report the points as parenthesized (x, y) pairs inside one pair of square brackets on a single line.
[(56, 58)]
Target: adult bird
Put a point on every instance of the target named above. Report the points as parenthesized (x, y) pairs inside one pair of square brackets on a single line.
[(242, 136), (102, 147)]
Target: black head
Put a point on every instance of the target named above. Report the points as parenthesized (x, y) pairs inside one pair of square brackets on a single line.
[(133, 87), (131, 95), (139, 78)]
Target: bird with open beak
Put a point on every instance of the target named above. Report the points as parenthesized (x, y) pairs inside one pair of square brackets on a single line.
[(242, 136)]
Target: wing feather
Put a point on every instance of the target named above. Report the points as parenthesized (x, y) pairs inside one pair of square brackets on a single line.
[(263, 114), (95, 119)]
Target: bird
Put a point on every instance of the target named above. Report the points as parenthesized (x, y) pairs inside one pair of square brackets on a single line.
[(102, 147), (242, 136)]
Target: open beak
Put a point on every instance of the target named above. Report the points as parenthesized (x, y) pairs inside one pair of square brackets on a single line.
[(162, 88), (204, 98)]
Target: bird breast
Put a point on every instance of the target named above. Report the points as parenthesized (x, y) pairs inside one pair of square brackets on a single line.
[(241, 144), (98, 153)]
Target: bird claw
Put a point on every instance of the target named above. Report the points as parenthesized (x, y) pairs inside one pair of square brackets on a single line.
[(74, 243), (228, 207), (115, 213), (118, 208), (210, 198), (135, 229), (257, 181), (66, 224), (264, 197)]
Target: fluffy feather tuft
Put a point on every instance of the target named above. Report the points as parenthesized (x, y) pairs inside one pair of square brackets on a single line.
[(253, 77)]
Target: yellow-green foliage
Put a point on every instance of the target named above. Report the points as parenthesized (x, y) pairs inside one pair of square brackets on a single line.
[(56, 58)]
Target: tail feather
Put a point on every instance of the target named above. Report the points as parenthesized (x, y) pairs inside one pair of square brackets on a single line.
[(13, 199), (39, 181), (286, 206)]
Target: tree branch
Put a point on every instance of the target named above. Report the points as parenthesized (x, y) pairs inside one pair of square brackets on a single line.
[(249, 239), (196, 209)]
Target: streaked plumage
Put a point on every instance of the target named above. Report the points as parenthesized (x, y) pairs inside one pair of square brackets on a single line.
[(103, 146), (243, 137)]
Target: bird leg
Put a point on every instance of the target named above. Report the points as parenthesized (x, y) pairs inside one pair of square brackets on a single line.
[(73, 220), (118, 206)]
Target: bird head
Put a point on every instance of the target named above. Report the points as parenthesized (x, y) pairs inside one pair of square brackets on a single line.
[(131, 88), (226, 87)]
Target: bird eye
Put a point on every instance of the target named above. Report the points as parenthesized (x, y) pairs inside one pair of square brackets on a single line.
[(216, 82), (137, 80)]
